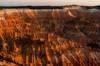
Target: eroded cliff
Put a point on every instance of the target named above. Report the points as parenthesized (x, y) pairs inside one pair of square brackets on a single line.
[(53, 37)]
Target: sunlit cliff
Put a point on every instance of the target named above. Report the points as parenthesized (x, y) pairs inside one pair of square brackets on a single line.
[(53, 37)]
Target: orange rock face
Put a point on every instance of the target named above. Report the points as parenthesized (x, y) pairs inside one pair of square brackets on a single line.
[(55, 37)]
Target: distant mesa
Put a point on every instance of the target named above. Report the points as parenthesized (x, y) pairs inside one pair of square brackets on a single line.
[(33, 7), (53, 7)]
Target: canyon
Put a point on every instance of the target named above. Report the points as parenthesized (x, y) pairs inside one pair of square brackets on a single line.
[(49, 37)]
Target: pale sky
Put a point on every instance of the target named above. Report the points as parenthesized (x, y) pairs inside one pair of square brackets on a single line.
[(48, 2)]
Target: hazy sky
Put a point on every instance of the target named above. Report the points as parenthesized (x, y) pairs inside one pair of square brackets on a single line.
[(48, 2)]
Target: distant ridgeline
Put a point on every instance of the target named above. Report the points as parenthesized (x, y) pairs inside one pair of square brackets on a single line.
[(33, 7), (50, 7)]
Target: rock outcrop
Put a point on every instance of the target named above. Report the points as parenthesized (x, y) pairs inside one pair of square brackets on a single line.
[(53, 37)]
